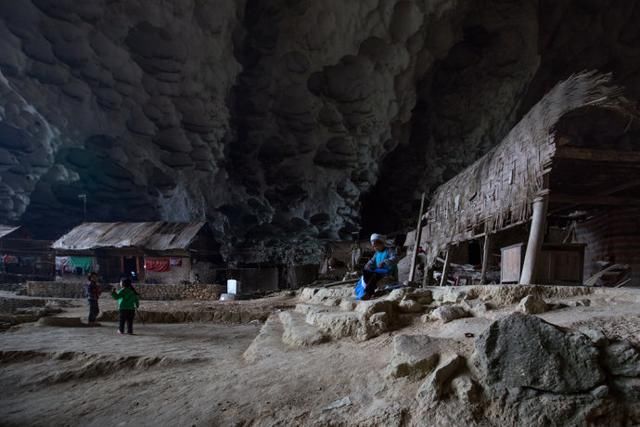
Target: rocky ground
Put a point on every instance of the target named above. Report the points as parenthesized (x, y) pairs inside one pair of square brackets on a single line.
[(495, 355)]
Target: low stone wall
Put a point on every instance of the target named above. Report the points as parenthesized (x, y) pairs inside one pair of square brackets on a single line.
[(12, 287), (221, 314), (55, 289), (10, 305), (22, 278), (146, 291)]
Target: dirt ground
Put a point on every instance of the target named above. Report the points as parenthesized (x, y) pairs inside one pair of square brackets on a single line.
[(195, 373), (57, 378)]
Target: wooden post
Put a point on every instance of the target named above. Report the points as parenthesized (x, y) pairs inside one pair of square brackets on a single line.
[(536, 236), (485, 258), (139, 269), (426, 276), (414, 258), (445, 269)]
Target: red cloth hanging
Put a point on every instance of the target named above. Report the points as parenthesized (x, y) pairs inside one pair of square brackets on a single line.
[(157, 264)]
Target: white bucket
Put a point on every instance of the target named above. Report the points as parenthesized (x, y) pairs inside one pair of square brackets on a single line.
[(232, 286)]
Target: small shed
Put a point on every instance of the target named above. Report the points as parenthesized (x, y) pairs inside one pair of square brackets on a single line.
[(573, 157), (23, 258), (153, 252)]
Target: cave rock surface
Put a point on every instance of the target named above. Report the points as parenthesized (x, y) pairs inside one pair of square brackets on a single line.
[(278, 121)]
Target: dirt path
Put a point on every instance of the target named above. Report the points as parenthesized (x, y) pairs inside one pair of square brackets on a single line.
[(204, 380)]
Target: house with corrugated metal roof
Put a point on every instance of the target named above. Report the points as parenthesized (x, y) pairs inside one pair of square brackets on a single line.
[(151, 252)]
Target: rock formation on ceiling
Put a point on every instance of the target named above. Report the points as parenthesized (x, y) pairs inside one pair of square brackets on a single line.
[(278, 120)]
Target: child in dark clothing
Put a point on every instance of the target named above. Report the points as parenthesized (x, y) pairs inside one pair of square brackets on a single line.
[(128, 301), (92, 291)]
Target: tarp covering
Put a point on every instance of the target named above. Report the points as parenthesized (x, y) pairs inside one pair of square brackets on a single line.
[(83, 262), (68, 264), (155, 236), (159, 265)]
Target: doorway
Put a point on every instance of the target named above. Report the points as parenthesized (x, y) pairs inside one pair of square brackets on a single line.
[(130, 267)]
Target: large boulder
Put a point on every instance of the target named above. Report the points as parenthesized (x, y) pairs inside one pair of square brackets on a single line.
[(521, 351), (622, 359), (629, 388), (596, 335)]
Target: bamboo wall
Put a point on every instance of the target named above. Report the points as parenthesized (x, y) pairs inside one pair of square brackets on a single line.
[(497, 190)]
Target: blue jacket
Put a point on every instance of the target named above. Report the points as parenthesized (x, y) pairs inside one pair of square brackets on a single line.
[(386, 260)]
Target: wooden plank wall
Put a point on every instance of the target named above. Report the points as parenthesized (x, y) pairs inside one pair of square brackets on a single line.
[(614, 235)]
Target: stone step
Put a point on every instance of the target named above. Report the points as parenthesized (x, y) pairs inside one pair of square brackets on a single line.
[(268, 342), (339, 324), (327, 296), (415, 356), (315, 308), (360, 320), (297, 332)]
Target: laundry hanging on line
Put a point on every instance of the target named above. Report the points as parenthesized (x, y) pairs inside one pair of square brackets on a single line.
[(159, 265)]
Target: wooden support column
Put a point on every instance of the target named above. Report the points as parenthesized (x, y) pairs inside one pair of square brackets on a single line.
[(445, 269), (426, 276), (414, 258), (485, 258), (140, 269), (536, 236)]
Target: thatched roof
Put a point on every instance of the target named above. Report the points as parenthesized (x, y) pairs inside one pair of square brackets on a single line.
[(497, 190), (153, 236)]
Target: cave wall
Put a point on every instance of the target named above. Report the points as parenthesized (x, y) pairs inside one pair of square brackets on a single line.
[(280, 121), (124, 101)]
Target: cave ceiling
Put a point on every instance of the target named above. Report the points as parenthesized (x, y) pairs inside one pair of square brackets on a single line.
[(278, 121)]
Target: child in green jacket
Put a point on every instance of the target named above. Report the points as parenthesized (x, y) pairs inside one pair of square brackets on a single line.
[(128, 301)]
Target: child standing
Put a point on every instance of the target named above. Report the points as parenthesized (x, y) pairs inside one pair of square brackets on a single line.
[(92, 292), (128, 301)]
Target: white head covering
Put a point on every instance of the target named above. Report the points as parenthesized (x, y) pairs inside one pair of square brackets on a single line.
[(381, 237)]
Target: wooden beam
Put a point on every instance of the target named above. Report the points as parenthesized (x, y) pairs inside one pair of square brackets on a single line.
[(605, 192), (445, 269), (593, 155), (485, 258), (571, 199), (414, 258), (616, 189)]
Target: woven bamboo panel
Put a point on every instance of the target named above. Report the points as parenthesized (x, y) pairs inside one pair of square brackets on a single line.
[(497, 190)]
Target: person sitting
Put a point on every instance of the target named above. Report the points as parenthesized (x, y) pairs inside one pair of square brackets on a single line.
[(383, 265)]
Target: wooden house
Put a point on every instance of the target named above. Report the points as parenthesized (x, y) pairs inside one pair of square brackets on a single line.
[(572, 163), (151, 252), (23, 258)]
